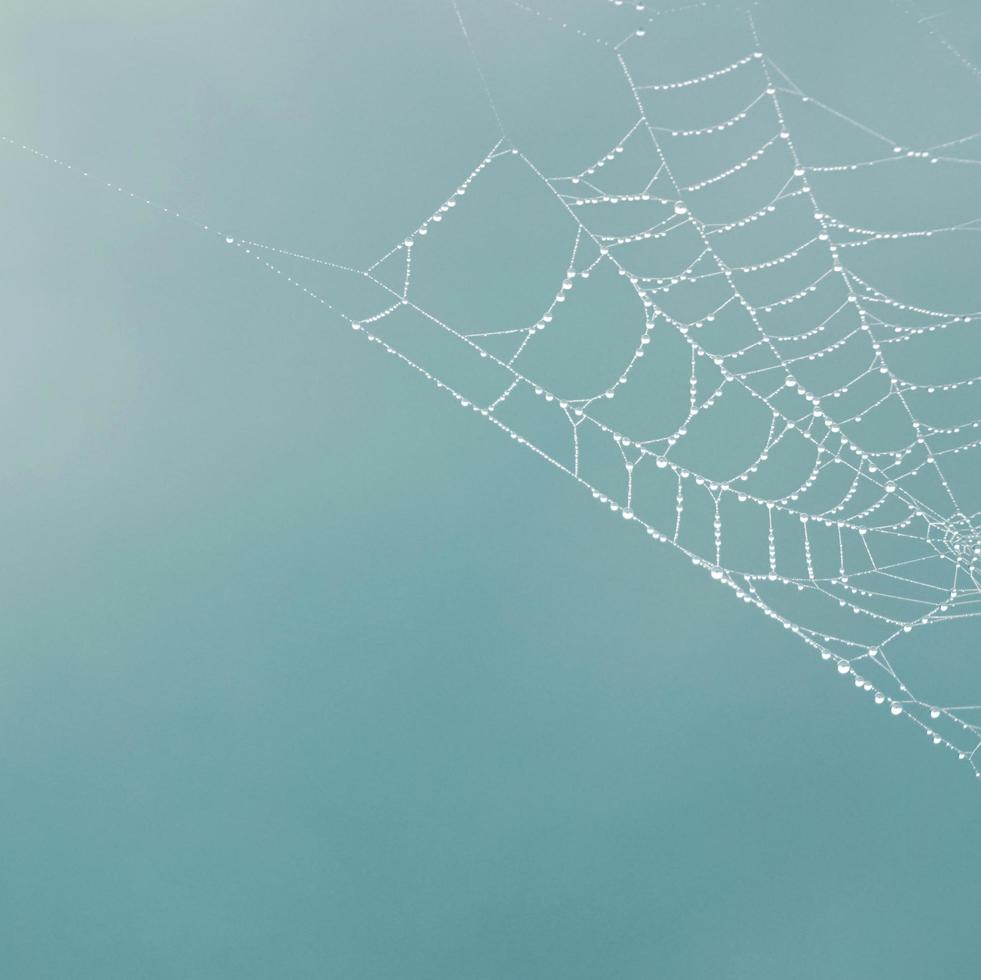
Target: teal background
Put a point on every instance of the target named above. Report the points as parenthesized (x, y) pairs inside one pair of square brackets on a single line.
[(305, 673)]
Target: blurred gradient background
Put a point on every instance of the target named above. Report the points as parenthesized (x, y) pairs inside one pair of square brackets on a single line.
[(304, 673)]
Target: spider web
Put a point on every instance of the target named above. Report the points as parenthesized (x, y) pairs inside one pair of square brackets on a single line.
[(725, 360)]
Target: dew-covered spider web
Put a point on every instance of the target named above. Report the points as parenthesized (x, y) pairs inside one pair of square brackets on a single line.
[(744, 324)]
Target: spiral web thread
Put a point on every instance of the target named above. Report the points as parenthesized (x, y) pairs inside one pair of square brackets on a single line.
[(877, 534)]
